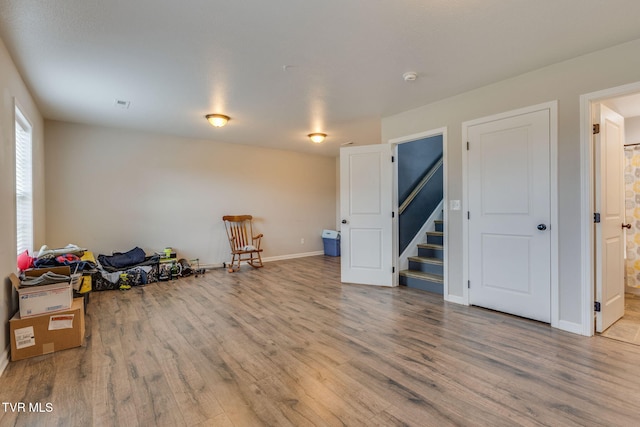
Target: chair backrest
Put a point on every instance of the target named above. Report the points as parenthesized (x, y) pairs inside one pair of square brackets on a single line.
[(239, 230)]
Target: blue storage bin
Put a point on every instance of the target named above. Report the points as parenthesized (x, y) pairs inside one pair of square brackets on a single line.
[(331, 240)]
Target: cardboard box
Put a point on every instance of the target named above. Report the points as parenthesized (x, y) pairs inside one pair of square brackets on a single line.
[(36, 300), (38, 335)]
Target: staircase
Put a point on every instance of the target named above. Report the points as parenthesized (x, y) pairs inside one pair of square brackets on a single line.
[(426, 271)]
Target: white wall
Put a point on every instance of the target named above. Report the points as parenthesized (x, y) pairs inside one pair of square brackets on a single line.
[(564, 82), (14, 90), (112, 189), (632, 130)]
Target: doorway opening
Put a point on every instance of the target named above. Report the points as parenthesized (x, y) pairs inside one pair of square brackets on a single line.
[(419, 197), (599, 287)]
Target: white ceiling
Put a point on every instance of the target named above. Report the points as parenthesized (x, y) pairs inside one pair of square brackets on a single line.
[(176, 61)]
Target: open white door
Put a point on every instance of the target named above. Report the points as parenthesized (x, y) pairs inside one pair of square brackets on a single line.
[(366, 184), (609, 204)]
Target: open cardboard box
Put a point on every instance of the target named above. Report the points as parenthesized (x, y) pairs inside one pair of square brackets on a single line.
[(36, 300), (38, 335)]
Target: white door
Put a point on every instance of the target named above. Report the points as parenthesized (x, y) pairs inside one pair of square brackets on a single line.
[(366, 183), (509, 215), (609, 199)]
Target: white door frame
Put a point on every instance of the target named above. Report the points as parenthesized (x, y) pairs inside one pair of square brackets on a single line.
[(552, 106), (587, 173), (409, 138)]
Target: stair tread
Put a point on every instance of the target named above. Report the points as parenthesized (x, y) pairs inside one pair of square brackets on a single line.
[(436, 233), (425, 259), (420, 275), (430, 245)]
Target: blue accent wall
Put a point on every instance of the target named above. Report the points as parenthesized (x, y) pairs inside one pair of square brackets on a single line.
[(415, 159)]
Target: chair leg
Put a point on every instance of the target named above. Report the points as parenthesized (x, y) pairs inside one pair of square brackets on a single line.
[(255, 256), (232, 268), (254, 260)]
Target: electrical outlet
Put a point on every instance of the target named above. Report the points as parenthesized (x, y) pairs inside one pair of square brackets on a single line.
[(302, 241)]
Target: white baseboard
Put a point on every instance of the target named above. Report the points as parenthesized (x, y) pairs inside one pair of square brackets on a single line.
[(4, 360), (575, 328), (455, 299), (211, 266), (630, 290), (292, 256), (264, 259)]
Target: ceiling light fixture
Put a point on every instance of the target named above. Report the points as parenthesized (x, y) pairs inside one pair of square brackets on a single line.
[(217, 120), (317, 137)]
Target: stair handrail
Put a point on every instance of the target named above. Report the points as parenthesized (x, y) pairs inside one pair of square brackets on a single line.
[(420, 185)]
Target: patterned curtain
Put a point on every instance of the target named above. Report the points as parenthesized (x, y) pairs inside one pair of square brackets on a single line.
[(632, 206)]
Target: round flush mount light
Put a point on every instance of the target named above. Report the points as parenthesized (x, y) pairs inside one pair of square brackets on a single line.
[(410, 76), (217, 120), (317, 137)]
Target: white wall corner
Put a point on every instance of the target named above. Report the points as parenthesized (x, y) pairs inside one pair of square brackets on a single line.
[(456, 299), (572, 327)]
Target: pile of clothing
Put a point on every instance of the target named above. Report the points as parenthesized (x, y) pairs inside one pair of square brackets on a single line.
[(131, 268), (47, 278), (124, 269), (70, 255)]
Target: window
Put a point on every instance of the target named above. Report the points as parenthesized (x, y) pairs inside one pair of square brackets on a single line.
[(24, 184)]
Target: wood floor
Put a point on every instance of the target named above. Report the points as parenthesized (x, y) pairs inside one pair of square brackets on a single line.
[(289, 345), (627, 329)]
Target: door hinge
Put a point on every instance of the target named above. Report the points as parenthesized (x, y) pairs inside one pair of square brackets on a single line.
[(596, 128), (468, 215), (393, 159), (596, 307), (467, 145), (596, 217), (393, 269), (393, 214), (468, 284)]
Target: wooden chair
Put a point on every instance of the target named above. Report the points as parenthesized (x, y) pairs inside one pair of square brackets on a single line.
[(244, 245)]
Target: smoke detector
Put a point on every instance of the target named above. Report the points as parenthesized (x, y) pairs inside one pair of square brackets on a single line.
[(410, 76)]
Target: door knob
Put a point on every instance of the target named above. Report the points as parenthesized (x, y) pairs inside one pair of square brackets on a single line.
[(627, 226), (344, 221), (542, 227)]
